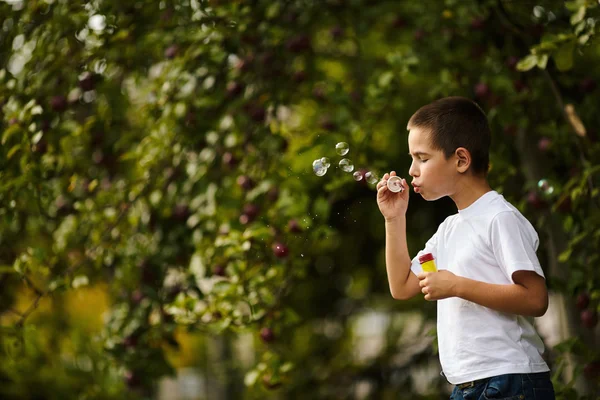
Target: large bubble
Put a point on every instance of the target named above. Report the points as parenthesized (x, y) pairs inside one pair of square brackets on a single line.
[(342, 148)]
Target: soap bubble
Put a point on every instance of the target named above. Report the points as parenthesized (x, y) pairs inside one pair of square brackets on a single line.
[(358, 176), (371, 178), (346, 165), (318, 168), (545, 186), (342, 148), (394, 184), (325, 162)]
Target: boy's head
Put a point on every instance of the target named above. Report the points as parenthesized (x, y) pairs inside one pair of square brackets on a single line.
[(448, 138)]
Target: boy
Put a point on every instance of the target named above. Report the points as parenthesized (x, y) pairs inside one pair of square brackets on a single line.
[(489, 282)]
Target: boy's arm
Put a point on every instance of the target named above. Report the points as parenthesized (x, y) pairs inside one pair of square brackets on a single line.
[(403, 283), (527, 296)]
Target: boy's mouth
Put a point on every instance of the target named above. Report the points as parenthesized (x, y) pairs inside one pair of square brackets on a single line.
[(416, 188)]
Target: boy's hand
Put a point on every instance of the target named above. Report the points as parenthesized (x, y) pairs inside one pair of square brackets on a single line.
[(391, 204), (438, 285)]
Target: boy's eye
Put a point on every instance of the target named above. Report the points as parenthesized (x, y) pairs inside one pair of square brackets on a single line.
[(423, 160)]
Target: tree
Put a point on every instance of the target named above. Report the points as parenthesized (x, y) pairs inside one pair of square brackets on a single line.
[(161, 150)]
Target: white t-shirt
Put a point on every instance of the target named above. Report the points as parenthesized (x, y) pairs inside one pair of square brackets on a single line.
[(487, 241)]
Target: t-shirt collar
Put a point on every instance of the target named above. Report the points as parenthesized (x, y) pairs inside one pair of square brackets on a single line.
[(478, 205)]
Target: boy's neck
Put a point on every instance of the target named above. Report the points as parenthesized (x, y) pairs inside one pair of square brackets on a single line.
[(469, 190)]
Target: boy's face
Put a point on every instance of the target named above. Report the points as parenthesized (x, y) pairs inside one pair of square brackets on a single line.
[(433, 175)]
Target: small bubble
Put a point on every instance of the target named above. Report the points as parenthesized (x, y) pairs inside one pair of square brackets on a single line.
[(342, 148), (371, 178), (325, 162), (357, 176), (346, 165), (318, 168), (301, 255), (545, 187)]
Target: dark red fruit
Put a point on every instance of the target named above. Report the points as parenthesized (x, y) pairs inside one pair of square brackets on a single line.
[(171, 51), (336, 32), (234, 89), (229, 159), (477, 23), (267, 335), (137, 296), (511, 62), (299, 76), (181, 212), (131, 380), (399, 22), (583, 300), (273, 194), (130, 341), (298, 44), (58, 103), (510, 130), (482, 90), (419, 35), (319, 93), (41, 147), (294, 226), (587, 85), (544, 144), (280, 250), (219, 270), (256, 112), (519, 85), (327, 124), (245, 182), (87, 81), (251, 210), (534, 200), (592, 370), (589, 318)]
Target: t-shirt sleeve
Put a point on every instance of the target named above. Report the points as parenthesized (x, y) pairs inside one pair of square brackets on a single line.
[(430, 247), (514, 242)]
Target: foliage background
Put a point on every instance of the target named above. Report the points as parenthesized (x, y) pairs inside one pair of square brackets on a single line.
[(159, 210)]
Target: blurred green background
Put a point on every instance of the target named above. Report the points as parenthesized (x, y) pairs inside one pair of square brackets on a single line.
[(164, 235)]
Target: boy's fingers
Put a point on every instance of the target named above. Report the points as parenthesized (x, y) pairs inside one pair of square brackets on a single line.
[(393, 173)]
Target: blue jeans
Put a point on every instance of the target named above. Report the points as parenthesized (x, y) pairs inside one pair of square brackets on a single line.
[(508, 387)]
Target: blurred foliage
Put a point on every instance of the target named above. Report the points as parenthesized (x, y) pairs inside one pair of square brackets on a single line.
[(155, 181)]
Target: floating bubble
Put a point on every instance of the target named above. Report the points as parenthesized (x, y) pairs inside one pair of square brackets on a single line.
[(371, 178), (358, 176), (346, 165), (394, 184), (342, 148), (318, 168), (325, 162), (545, 187)]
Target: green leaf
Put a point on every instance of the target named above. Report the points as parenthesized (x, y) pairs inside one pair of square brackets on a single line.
[(565, 255), (542, 61), (578, 16), (12, 151), (527, 63), (563, 57), (385, 79)]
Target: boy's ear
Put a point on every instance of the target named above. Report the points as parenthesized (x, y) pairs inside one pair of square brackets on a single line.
[(463, 160)]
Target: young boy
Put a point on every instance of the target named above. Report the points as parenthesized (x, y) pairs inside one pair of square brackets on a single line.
[(489, 282)]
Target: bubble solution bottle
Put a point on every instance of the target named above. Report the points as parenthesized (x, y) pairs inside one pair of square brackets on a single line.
[(427, 263)]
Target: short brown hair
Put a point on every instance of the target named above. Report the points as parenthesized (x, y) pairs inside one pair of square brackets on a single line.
[(456, 122)]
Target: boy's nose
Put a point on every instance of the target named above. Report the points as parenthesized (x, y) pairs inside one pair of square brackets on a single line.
[(412, 171)]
